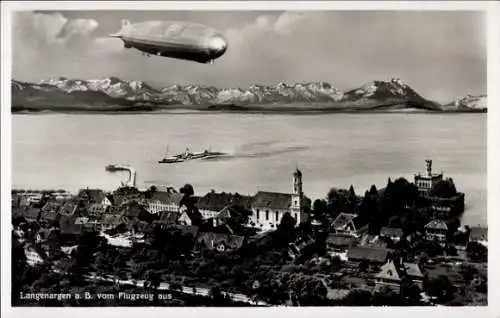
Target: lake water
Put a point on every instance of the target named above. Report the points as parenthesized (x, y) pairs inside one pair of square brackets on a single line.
[(333, 150)]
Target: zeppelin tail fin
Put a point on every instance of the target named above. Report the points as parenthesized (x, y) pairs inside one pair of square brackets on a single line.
[(125, 23)]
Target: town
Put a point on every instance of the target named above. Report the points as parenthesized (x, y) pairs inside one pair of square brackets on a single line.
[(401, 245)]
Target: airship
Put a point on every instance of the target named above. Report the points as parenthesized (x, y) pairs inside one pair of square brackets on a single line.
[(180, 40)]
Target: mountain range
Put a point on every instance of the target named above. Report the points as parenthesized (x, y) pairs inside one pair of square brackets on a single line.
[(113, 94)]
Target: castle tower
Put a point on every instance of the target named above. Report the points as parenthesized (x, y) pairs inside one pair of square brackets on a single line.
[(429, 167)]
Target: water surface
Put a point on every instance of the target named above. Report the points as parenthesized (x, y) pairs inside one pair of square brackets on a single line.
[(332, 150)]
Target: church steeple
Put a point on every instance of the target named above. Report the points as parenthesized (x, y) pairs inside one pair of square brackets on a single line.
[(297, 182)]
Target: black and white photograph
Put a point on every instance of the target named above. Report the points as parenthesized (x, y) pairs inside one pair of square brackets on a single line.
[(246, 158)]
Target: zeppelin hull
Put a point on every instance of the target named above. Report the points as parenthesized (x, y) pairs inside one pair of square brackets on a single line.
[(180, 40), (172, 50)]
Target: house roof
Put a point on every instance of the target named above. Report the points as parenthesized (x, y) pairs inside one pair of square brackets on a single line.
[(133, 210), (388, 271), (437, 225), (232, 241), (95, 195), (167, 217), (167, 197), (141, 226), (340, 240), (478, 233), (18, 211), (342, 220), (68, 208), (110, 198), (214, 201), (227, 213), (391, 232), (31, 213), (51, 206), (272, 200), (68, 226), (367, 253), (81, 220), (112, 219), (412, 269), (50, 215), (188, 229)]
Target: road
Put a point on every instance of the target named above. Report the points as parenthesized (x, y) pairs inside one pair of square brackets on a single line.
[(186, 290)]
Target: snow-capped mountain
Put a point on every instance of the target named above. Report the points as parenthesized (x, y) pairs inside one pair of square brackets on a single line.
[(394, 88), (111, 86), (392, 94), (470, 102)]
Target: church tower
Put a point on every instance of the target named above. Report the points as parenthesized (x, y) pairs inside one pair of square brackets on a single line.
[(297, 182), (297, 196)]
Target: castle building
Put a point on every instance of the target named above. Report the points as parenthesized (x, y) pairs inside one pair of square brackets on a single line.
[(425, 182), (268, 208)]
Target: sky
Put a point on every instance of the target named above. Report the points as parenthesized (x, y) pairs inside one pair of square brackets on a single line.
[(441, 54)]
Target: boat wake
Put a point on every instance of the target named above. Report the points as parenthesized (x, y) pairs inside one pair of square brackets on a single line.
[(249, 151)]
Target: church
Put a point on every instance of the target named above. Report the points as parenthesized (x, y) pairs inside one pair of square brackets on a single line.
[(268, 208)]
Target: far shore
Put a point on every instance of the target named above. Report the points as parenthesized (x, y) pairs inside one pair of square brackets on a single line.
[(290, 109)]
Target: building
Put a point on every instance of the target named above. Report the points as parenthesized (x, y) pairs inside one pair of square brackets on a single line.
[(212, 203), (49, 217), (425, 183), (349, 224), (34, 255), (68, 208), (164, 201), (394, 234), (392, 273), (388, 277), (340, 243), (371, 240), (268, 208), (91, 195), (167, 219), (369, 254), (68, 226), (31, 215), (436, 230), (109, 222), (220, 242), (413, 272)]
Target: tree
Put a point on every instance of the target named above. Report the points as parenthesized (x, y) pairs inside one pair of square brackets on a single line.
[(477, 252), (341, 200), (357, 298), (319, 209), (444, 189), (410, 291), (440, 287), (216, 294), (287, 223), (363, 265), (19, 265)]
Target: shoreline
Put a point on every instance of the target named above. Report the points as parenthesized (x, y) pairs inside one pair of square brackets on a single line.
[(198, 111)]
